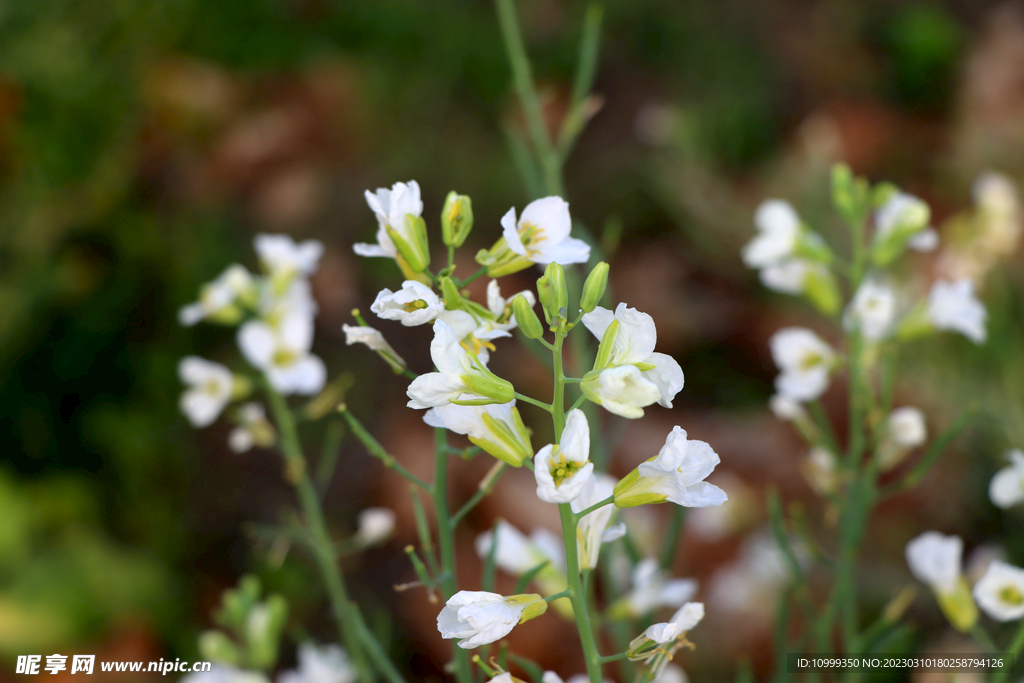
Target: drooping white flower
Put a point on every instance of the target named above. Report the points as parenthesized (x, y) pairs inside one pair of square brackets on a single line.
[(391, 207), (934, 559), (373, 339), (459, 372), (320, 664), (564, 469), (1007, 486), (653, 587), (282, 353), (222, 673), (253, 429), (476, 618), (592, 530), (496, 428), (633, 376), (218, 299), (953, 306), (786, 408), (517, 553), (685, 618), (1000, 592), (414, 304), (283, 258), (542, 233), (676, 474), (375, 525), (872, 311), (209, 389), (778, 227), (805, 361)]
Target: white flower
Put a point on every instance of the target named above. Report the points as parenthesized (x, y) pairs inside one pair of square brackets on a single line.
[(253, 429), (786, 408), (375, 341), (672, 674), (635, 376), (1000, 592), (209, 389), (906, 427), (788, 276), (542, 233), (1007, 486), (459, 372), (953, 306), (872, 310), (501, 309), (685, 618), (563, 470), (217, 299), (375, 525), (222, 673), (653, 588), (552, 677), (901, 212), (476, 618), (282, 353), (935, 560), (497, 428), (283, 258), (676, 474), (391, 207), (778, 227), (326, 664), (592, 529), (926, 240), (805, 361), (516, 553), (414, 304), (820, 469)]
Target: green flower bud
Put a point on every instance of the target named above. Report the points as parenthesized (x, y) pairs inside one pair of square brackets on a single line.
[(415, 250), (553, 295), (959, 607), (217, 647), (593, 288), (604, 349), (450, 293), (263, 631), (508, 443), (632, 491), (535, 605), (456, 219), (526, 318), (500, 260), (822, 290), (850, 194)]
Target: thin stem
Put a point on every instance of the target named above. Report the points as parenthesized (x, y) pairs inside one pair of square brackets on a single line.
[(446, 541), (472, 277), (983, 638), (558, 400), (532, 401), (353, 630), (612, 658), (1013, 650), (596, 506), (563, 594), (377, 451), (578, 596), (482, 491)]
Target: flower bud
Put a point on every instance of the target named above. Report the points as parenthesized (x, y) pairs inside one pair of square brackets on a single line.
[(263, 631), (450, 293), (821, 289), (416, 251), (553, 295), (593, 288), (535, 605), (456, 219), (849, 194), (526, 318), (604, 349), (215, 646), (485, 383), (500, 260)]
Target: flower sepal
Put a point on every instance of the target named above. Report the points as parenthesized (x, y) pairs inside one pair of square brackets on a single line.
[(500, 260), (456, 219), (535, 605), (959, 607)]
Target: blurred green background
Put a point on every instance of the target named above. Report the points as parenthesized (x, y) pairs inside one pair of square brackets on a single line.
[(142, 144)]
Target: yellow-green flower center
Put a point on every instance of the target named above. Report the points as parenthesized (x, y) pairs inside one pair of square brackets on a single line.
[(562, 469), (1011, 595), (284, 357), (414, 306), (531, 235)]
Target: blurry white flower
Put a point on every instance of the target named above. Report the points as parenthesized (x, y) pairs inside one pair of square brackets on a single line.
[(805, 362), (789, 276), (1007, 486), (375, 525), (391, 207), (904, 430), (634, 376), (282, 353), (375, 341), (935, 560), (748, 588), (414, 304), (676, 474), (656, 646), (542, 233), (323, 664), (253, 429), (685, 618), (476, 618), (872, 311), (926, 240), (552, 677), (517, 553), (778, 227), (720, 521), (953, 306), (672, 674), (786, 408), (653, 587), (820, 469), (1000, 592), (459, 373), (209, 389), (222, 673), (901, 213), (592, 529), (562, 470), (496, 428), (999, 213), (217, 299), (283, 259)]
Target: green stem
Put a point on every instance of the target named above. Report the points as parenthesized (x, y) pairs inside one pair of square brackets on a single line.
[(558, 400), (596, 506), (1013, 650), (532, 401), (483, 490), (578, 596), (446, 541), (612, 658), (353, 630), (377, 451), (472, 277)]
